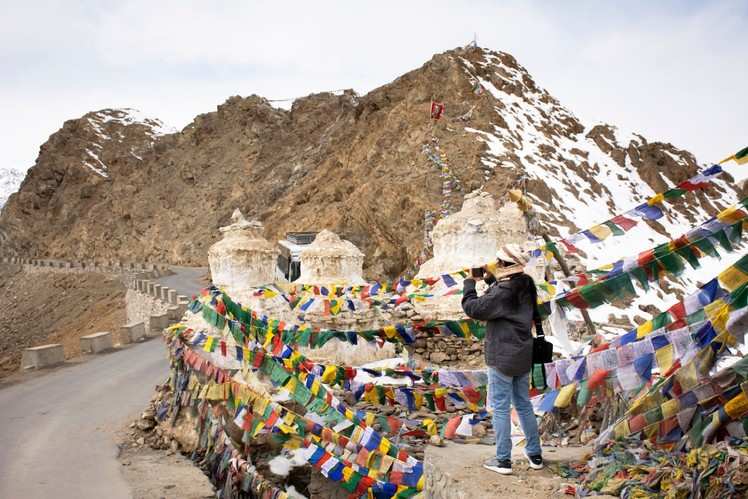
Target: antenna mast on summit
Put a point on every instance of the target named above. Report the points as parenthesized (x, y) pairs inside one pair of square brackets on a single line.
[(475, 39)]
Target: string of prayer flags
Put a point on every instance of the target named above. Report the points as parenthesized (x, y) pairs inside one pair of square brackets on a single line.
[(629, 361), (620, 224)]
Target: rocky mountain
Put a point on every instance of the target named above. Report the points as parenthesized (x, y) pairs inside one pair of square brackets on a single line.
[(369, 167), (10, 180)]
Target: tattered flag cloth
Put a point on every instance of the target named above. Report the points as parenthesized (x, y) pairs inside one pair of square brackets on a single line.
[(634, 469)]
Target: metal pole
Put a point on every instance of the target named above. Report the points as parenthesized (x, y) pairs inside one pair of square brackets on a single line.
[(565, 269)]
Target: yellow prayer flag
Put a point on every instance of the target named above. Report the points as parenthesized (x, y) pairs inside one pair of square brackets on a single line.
[(369, 418), (664, 357), (670, 408), (737, 406), (268, 339), (357, 434), (348, 413), (687, 377), (347, 473), (621, 430), (718, 313), (656, 199), (730, 215), (565, 395), (315, 386), (601, 231), (384, 446), (644, 329), (430, 426), (390, 331), (732, 278), (329, 374)]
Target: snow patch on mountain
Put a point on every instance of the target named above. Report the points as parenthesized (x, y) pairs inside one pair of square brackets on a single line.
[(10, 181), (101, 124)]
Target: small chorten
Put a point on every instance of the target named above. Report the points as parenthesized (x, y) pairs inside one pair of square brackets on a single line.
[(243, 258), (331, 260)]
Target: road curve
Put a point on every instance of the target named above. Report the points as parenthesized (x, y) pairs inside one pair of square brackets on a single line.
[(187, 281)]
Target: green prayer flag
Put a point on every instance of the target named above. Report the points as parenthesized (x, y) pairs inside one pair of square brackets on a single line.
[(673, 193), (352, 483), (706, 246), (687, 253), (723, 240), (615, 229), (593, 294), (641, 276), (660, 321), (672, 263)]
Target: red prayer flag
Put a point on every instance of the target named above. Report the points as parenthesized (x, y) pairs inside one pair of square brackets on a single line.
[(570, 248), (451, 428), (678, 311), (645, 257), (690, 186), (576, 299), (625, 223)]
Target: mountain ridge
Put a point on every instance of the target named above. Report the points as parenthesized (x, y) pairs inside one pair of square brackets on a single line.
[(364, 166)]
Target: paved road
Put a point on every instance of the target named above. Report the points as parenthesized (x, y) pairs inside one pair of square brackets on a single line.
[(187, 281), (57, 428)]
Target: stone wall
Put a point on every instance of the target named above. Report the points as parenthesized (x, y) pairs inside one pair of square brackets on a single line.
[(448, 350), (108, 266), (146, 299)]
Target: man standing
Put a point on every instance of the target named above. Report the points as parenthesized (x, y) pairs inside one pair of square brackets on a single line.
[(509, 307)]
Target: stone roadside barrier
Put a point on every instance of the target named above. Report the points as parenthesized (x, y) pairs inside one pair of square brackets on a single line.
[(130, 333), (43, 356), (97, 342), (158, 324)]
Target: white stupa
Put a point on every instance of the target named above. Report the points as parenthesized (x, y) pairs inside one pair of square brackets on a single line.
[(243, 258), (331, 260)]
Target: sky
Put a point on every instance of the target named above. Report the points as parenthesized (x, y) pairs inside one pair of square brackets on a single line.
[(672, 71)]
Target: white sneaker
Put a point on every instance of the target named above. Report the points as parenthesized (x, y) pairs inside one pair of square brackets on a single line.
[(503, 467), (536, 462)]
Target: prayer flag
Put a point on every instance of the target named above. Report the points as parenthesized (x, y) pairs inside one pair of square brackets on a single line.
[(740, 157)]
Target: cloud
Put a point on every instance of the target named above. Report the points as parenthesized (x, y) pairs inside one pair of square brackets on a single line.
[(671, 70)]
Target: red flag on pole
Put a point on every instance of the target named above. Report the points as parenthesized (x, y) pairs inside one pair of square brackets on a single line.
[(437, 109)]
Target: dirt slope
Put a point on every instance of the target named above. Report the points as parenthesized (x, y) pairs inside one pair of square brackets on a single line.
[(48, 307)]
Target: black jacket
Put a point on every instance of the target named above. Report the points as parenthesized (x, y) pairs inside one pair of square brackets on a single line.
[(508, 344)]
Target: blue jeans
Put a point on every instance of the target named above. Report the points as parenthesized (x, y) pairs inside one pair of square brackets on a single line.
[(515, 389)]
